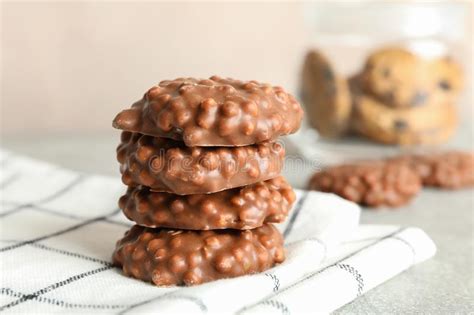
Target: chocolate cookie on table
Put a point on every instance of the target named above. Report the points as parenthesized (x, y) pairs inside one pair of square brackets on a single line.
[(429, 124), (183, 257), (370, 183), (450, 170), (240, 208), (326, 96), (213, 112), (167, 165)]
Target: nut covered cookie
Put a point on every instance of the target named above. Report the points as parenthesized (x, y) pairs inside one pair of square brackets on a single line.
[(167, 165), (450, 170), (369, 183), (178, 257), (213, 112), (240, 208), (326, 96)]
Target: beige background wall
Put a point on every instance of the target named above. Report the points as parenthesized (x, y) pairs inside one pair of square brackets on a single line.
[(68, 67), (72, 66)]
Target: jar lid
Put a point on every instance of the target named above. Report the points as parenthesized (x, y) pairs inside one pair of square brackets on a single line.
[(388, 20)]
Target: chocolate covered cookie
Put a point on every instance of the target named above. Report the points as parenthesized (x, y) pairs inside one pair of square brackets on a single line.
[(167, 165), (369, 183), (450, 170), (213, 112), (178, 257), (240, 208), (429, 124), (325, 95)]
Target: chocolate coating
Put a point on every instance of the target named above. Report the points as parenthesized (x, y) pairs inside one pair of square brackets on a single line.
[(176, 257), (167, 165), (240, 208), (213, 112), (449, 170), (371, 183)]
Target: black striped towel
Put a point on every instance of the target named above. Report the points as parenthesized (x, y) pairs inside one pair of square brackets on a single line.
[(59, 227)]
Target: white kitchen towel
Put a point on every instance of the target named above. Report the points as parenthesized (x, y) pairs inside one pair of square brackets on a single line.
[(58, 229)]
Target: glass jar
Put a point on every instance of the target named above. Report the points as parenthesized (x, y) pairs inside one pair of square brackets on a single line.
[(398, 59), (346, 33)]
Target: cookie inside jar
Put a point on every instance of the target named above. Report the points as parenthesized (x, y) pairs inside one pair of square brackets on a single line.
[(401, 69)]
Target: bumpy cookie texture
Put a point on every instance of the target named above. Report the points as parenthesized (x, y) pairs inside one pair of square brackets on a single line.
[(369, 183), (179, 257), (167, 165), (399, 78), (240, 208), (429, 124), (326, 96), (213, 112), (450, 170)]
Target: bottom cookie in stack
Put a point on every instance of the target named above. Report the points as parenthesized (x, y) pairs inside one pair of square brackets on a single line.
[(176, 257)]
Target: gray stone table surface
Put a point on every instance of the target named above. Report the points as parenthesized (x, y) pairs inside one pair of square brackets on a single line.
[(442, 285)]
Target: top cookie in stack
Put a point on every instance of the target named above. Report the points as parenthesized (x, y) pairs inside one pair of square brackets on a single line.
[(200, 155), (213, 112)]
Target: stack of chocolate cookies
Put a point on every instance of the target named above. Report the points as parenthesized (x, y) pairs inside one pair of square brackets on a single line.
[(202, 168)]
